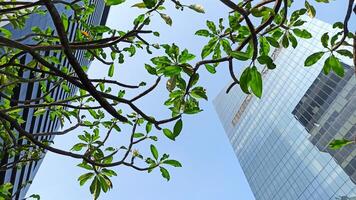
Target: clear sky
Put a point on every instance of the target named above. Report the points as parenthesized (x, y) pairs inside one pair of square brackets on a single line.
[(210, 169)]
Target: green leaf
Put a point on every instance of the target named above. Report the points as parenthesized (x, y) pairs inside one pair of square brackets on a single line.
[(172, 70), (150, 69), (226, 45), (185, 56), (345, 52), (154, 138), (78, 147), (333, 63), (338, 144), (35, 196), (211, 26), (85, 177), (293, 40), (169, 134), (65, 22), (150, 3), (266, 60), (273, 42), (173, 163), (314, 58), (177, 128), (85, 165), (109, 172), (210, 68), (209, 48), (139, 19), (114, 2), (199, 92), (256, 82), (5, 190), (339, 25), (302, 33), (325, 40), (95, 188), (154, 151), (264, 46), (93, 113), (139, 5), (285, 41), (111, 70), (39, 112), (240, 55), (202, 32), (244, 80), (105, 182), (138, 135), (6, 32), (101, 29), (165, 173), (234, 21), (148, 127)]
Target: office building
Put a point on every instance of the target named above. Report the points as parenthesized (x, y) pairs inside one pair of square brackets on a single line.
[(20, 177), (281, 140)]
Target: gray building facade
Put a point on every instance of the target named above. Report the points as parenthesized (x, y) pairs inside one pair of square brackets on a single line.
[(20, 177), (281, 140)]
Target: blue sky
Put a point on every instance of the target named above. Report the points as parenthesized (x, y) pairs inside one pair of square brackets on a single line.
[(210, 169)]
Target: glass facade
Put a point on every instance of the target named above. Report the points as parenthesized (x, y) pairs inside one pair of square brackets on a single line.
[(25, 91), (281, 140)]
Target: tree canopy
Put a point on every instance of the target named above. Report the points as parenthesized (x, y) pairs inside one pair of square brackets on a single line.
[(249, 32)]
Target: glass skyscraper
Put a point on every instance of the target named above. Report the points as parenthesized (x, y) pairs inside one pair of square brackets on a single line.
[(25, 91), (281, 140)]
